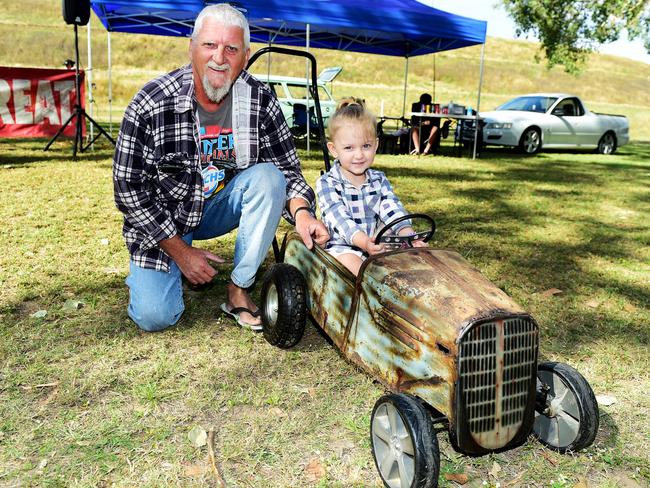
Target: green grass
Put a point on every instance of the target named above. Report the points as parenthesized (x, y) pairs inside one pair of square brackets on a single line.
[(122, 402)]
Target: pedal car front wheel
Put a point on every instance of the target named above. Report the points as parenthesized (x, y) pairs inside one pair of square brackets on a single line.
[(404, 444), (284, 305), (567, 412)]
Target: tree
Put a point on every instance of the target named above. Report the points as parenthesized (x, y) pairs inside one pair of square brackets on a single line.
[(570, 29)]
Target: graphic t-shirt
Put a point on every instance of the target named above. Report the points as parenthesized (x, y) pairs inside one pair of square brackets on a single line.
[(217, 147)]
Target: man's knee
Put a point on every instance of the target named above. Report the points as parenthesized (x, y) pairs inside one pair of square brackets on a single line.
[(270, 181), (155, 297), (153, 318)]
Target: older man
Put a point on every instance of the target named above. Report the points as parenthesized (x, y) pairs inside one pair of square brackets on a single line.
[(203, 150)]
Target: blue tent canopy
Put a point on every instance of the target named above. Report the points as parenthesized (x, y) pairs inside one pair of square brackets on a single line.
[(389, 27)]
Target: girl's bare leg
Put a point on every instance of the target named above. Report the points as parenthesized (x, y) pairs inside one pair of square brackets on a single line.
[(351, 261)]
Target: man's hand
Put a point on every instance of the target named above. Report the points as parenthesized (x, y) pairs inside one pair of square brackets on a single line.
[(195, 267), (311, 229), (192, 261)]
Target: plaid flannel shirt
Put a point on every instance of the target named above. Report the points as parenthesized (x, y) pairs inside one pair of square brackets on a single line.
[(346, 210), (157, 169)]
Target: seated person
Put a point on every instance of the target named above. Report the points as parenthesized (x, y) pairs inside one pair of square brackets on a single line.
[(437, 132), (424, 131), (354, 199)]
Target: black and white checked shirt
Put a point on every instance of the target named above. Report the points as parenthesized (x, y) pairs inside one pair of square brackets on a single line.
[(157, 168), (346, 209)]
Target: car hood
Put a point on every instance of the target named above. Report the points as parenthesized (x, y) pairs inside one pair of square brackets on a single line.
[(437, 291), (510, 116)]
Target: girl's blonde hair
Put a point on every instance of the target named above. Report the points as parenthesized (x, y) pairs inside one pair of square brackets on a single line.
[(352, 109)]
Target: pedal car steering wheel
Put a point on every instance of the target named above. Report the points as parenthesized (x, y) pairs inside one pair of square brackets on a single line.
[(406, 241)]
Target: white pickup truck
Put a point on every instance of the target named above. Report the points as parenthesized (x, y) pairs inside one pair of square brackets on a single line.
[(553, 120)]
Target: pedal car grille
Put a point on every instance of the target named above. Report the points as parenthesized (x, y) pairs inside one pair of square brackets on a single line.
[(497, 361)]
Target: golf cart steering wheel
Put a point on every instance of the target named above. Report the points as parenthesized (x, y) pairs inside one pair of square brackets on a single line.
[(406, 241)]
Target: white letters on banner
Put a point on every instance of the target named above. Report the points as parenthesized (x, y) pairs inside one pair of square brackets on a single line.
[(36, 102), (5, 94), (66, 89), (22, 102)]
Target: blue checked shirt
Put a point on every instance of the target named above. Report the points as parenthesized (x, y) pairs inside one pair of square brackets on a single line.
[(157, 169), (346, 210)]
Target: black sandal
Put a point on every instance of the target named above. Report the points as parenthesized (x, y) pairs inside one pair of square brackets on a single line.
[(234, 313)]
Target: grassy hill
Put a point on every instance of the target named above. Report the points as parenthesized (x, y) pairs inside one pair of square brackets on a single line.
[(609, 84)]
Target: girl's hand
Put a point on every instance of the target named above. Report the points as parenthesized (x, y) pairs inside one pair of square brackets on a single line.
[(406, 231), (372, 248)]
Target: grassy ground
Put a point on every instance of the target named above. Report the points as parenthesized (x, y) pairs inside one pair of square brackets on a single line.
[(87, 400)]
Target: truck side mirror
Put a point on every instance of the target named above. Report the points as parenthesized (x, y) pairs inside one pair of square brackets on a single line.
[(559, 111)]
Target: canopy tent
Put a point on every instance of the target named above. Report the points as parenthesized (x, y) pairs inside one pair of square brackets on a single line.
[(390, 27), (403, 28)]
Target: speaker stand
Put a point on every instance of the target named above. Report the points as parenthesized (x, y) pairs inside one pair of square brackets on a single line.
[(79, 113)]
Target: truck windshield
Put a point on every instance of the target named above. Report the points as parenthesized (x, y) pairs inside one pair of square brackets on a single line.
[(300, 92), (529, 104)]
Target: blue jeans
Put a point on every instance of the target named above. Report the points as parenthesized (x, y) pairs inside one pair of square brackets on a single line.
[(253, 201)]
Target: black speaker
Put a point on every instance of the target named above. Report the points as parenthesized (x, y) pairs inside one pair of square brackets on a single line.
[(76, 11)]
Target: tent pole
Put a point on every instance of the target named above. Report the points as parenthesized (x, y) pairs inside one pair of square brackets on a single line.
[(89, 78), (268, 64), (307, 78), (434, 77), (110, 86), (478, 101), (406, 77)]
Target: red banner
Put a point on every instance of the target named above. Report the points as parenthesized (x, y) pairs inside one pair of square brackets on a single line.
[(36, 102)]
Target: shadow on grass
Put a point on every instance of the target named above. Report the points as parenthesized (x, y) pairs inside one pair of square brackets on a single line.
[(638, 149), (561, 265), (515, 171), (22, 152), (491, 227), (21, 160), (608, 432), (490, 224)]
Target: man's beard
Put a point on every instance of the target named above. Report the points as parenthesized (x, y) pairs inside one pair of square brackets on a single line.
[(216, 95)]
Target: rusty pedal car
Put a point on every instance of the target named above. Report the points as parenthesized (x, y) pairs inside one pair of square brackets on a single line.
[(454, 351)]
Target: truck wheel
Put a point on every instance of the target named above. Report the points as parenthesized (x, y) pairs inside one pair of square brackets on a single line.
[(531, 141), (404, 444), (568, 420), (284, 305), (607, 144)]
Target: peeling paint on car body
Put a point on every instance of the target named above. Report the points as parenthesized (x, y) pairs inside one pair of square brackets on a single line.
[(402, 319)]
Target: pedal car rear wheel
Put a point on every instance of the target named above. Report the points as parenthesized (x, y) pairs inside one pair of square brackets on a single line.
[(284, 305), (569, 419), (404, 444)]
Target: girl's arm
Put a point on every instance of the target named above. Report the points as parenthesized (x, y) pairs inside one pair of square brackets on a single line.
[(408, 230), (366, 243), (334, 213)]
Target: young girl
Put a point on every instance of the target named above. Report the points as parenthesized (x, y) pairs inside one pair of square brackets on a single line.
[(354, 199)]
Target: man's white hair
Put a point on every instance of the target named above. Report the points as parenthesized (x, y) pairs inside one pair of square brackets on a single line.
[(226, 15)]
